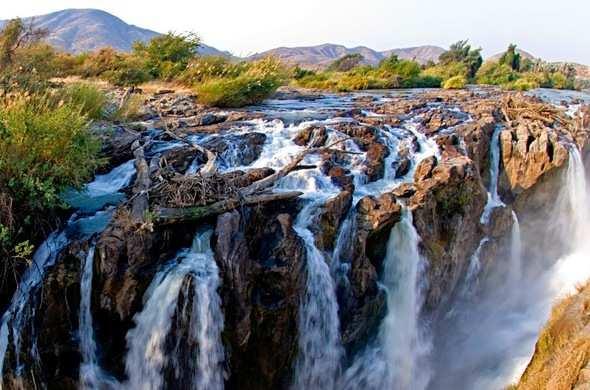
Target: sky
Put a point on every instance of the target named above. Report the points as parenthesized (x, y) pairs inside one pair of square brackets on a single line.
[(553, 30)]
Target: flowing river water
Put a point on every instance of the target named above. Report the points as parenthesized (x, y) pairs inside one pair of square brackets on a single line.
[(484, 342)]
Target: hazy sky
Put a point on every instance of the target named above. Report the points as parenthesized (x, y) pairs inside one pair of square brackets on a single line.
[(554, 30)]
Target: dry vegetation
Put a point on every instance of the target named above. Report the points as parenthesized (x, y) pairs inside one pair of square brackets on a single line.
[(563, 349)]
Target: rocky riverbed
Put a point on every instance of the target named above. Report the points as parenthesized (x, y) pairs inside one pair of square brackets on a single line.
[(278, 246)]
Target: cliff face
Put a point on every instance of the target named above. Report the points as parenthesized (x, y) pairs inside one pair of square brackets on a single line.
[(258, 245)]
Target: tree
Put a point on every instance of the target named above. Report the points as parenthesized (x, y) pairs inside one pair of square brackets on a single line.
[(511, 58), (14, 36), (168, 55), (461, 52)]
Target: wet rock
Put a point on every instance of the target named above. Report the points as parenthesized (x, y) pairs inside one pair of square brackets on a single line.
[(117, 145), (180, 159), (439, 119), (204, 119), (401, 167), (262, 264), (405, 190), (341, 177), (313, 136), (425, 168), (361, 301), (375, 162), (126, 260), (329, 219), (237, 149), (447, 209)]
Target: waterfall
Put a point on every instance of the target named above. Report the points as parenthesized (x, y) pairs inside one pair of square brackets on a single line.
[(17, 316), (89, 368), (493, 197), (147, 356), (472, 276), (320, 349), (404, 344), (91, 375), (398, 358), (515, 268)]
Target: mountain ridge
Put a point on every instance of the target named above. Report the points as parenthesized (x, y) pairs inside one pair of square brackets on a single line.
[(78, 30), (320, 56)]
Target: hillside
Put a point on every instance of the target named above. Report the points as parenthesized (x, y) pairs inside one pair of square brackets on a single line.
[(81, 30), (322, 55)]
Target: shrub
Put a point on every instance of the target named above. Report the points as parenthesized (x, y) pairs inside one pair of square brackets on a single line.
[(44, 148), (258, 82), (128, 72), (88, 98), (560, 81), (493, 73), (522, 84), (457, 82), (406, 69), (166, 56), (447, 71), (201, 69)]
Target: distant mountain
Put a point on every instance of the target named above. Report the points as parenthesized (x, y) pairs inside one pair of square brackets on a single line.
[(81, 30), (321, 56), (421, 54), (525, 55)]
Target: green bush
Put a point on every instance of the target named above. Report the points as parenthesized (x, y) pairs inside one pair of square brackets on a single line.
[(493, 73), (88, 98), (201, 69), (457, 82), (522, 84), (258, 82), (167, 56), (447, 71), (44, 147)]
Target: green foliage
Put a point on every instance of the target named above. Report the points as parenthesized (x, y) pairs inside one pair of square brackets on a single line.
[(390, 73), (201, 69), (299, 73), (461, 52), (260, 80), (168, 55), (511, 58), (456, 82), (346, 63), (447, 71), (494, 73), (45, 146), (88, 98), (393, 66)]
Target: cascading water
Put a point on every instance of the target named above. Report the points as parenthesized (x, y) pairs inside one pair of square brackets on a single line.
[(320, 348), (398, 358), (515, 252), (147, 356), (493, 197)]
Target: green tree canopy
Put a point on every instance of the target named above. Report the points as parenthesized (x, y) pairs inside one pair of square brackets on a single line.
[(168, 55), (461, 52), (511, 58)]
